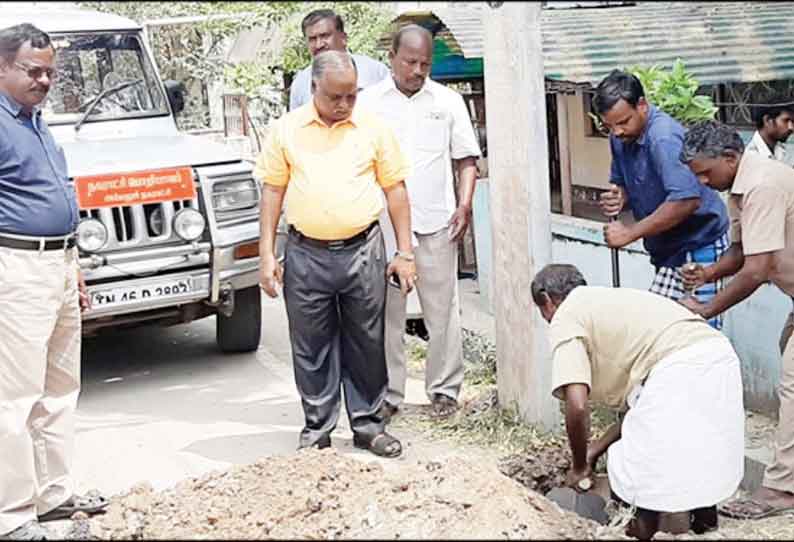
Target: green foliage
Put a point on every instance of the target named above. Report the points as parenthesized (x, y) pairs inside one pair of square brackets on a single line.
[(365, 23), (675, 92), (195, 53)]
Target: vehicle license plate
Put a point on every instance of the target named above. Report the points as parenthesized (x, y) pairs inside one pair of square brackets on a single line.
[(122, 296)]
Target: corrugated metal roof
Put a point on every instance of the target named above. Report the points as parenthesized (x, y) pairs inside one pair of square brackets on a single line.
[(719, 42)]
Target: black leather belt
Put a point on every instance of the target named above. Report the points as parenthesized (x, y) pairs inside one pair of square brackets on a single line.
[(25, 244), (335, 244)]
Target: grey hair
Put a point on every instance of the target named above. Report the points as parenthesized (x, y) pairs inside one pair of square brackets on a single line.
[(330, 61), (556, 280), (710, 139)]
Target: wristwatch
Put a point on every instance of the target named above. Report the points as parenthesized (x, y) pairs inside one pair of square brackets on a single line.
[(408, 256)]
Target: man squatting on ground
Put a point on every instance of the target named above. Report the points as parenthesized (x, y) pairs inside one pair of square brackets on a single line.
[(333, 161), (678, 219), (433, 128), (680, 444), (41, 296), (324, 30), (761, 207)]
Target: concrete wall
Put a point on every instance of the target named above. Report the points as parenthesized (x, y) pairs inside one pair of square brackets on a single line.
[(753, 326)]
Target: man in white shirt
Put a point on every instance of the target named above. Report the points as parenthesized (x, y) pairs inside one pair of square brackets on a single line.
[(434, 129), (774, 123), (324, 30)]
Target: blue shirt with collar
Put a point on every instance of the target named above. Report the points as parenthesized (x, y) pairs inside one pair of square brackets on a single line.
[(651, 172), (36, 197)]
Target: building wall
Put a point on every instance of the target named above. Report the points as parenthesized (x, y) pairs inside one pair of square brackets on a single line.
[(590, 156), (753, 326)]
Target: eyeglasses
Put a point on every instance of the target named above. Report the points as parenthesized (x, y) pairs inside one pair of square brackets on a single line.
[(35, 72)]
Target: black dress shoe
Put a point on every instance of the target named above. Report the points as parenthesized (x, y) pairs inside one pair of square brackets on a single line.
[(322, 442), (387, 410)]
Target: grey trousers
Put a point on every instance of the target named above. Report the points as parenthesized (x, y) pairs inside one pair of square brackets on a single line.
[(335, 303), (437, 286)]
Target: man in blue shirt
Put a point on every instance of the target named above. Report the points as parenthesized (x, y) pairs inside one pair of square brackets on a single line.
[(324, 30), (41, 296), (678, 219)]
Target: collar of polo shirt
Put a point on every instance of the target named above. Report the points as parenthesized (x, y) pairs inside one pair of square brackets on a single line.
[(309, 115)]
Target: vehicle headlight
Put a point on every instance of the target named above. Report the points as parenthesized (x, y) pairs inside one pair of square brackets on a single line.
[(234, 195), (92, 235), (189, 224)]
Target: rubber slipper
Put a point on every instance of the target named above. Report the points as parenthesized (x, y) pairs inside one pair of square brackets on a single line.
[(752, 509), (382, 444), (90, 503), (443, 406)]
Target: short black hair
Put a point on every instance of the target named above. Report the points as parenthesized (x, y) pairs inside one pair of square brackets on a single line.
[(320, 14), (12, 39), (616, 86), (775, 106), (556, 281), (408, 29), (710, 139)]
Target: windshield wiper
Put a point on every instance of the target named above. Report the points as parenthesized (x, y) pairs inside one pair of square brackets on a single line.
[(101, 96)]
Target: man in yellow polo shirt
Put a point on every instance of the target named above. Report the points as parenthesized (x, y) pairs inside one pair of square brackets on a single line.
[(333, 162), (680, 446)]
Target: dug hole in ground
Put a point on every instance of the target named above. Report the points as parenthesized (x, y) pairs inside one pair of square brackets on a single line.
[(480, 474)]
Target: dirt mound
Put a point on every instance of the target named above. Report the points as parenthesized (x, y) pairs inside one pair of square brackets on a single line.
[(322, 494)]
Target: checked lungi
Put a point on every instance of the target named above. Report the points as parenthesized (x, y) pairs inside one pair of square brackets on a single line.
[(667, 281)]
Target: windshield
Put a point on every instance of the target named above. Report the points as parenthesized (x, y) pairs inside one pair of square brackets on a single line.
[(91, 63)]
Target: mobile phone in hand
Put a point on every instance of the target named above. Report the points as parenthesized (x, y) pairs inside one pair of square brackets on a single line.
[(394, 280)]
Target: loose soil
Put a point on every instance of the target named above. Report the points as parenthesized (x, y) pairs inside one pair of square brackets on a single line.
[(322, 494), (480, 475)]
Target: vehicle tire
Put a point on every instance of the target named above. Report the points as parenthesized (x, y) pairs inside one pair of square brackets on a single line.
[(241, 331)]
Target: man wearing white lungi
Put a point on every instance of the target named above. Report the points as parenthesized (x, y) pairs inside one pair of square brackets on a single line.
[(680, 444)]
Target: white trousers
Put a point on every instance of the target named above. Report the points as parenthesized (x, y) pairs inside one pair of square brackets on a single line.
[(682, 440), (437, 287), (40, 334)]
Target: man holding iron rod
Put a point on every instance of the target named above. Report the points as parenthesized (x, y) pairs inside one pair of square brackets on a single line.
[(678, 220)]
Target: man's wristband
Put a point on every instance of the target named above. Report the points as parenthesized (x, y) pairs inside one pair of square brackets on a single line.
[(408, 256)]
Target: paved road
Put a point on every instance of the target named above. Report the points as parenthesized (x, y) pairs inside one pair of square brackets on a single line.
[(160, 404), (163, 404)]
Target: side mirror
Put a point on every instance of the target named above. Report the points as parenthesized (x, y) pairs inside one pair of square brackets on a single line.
[(176, 95)]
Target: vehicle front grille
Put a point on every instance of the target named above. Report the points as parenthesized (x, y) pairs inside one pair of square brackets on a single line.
[(140, 225)]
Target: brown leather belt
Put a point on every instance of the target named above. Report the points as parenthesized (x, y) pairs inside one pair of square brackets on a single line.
[(25, 244), (337, 244)]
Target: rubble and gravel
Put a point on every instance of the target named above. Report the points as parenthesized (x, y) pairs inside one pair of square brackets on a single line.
[(322, 494)]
